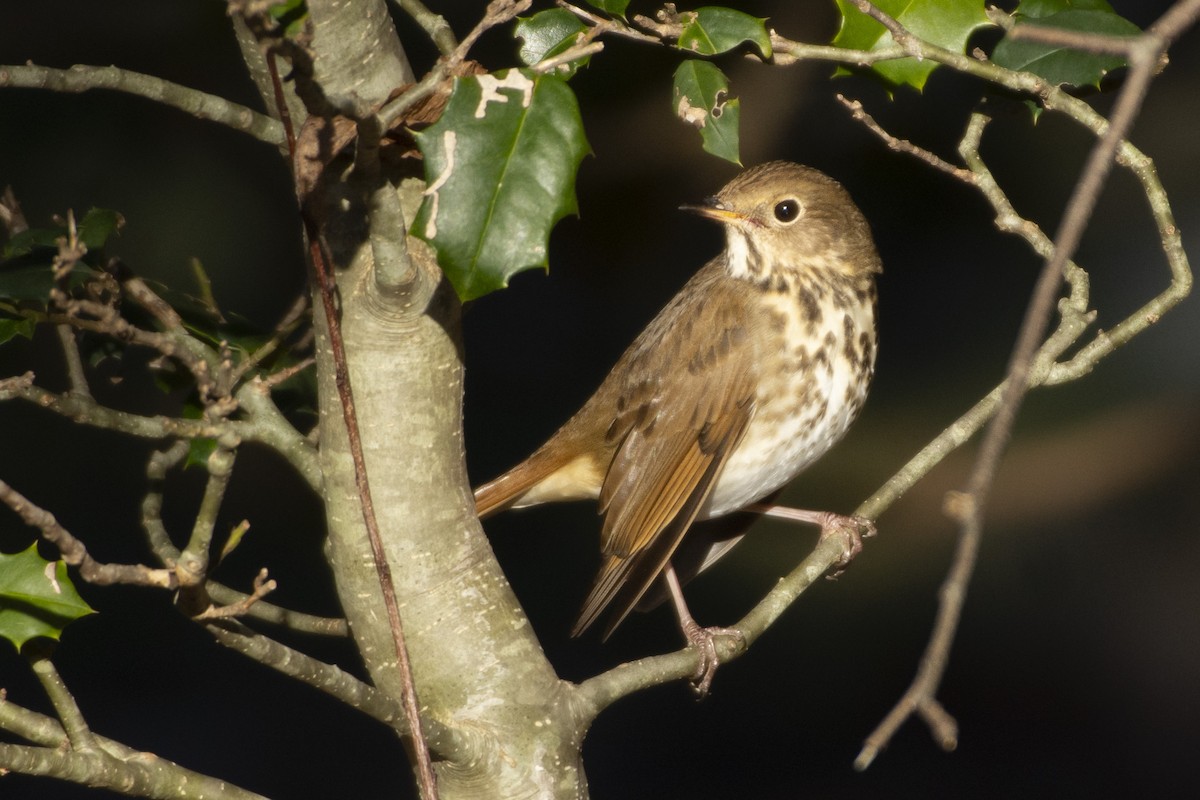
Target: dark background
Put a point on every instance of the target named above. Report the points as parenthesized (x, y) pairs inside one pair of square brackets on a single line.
[(1075, 668)]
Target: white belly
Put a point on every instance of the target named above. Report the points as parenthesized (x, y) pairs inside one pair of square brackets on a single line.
[(817, 393)]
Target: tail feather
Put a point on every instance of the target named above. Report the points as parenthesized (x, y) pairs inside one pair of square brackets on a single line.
[(503, 492)]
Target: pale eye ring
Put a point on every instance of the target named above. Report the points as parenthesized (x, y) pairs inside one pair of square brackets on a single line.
[(787, 211)]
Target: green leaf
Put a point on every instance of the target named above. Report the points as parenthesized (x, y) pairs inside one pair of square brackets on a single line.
[(198, 452), (30, 278), (235, 538), (291, 15), (27, 274), (711, 30), (547, 34), (1035, 9), (1064, 65), (97, 225), (30, 239), (500, 168), (614, 8), (20, 326), (701, 99), (93, 230), (946, 23), (37, 597)]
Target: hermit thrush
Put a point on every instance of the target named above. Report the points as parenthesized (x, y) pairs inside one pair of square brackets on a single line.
[(752, 372)]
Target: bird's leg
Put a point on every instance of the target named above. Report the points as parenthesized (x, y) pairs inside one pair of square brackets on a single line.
[(700, 638), (852, 529)]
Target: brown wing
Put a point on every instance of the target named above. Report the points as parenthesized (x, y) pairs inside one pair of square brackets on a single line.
[(686, 400)]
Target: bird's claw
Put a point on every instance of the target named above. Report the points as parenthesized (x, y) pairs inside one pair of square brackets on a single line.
[(853, 530), (703, 639)]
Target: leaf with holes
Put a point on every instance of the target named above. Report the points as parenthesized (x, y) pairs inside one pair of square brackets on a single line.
[(711, 30), (500, 169), (946, 23), (701, 99), (37, 597)]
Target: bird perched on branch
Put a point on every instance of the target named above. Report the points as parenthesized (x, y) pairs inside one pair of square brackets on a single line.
[(751, 373)]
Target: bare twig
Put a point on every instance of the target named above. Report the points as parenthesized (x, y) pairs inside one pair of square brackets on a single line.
[(434, 25), (498, 12), (903, 145), (1076, 40), (75, 726), (609, 24), (191, 101), (136, 775), (73, 360), (571, 54), (192, 565), (968, 506), (449, 742), (276, 615), (263, 586), (291, 320), (75, 553)]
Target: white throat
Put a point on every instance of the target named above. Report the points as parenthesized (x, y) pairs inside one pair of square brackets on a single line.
[(737, 251)]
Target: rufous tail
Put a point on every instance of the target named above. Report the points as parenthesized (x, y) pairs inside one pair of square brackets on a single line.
[(501, 493)]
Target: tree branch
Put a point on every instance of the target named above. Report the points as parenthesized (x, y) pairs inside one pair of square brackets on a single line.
[(109, 764), (968, 506), (75, 553), (78, 734), (199, 104), (144, 775)]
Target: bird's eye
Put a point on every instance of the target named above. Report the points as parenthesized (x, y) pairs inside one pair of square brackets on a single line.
[(787, 210)]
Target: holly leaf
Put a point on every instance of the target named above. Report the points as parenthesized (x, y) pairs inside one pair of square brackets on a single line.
[(97, 225), (1065, 65), (614, 8), (28, 279), (37, 597), (27, 271), (11, 327), (711, 30), (1035, 9), (946, 23), (701, 99), (500, 169), (549, 33)]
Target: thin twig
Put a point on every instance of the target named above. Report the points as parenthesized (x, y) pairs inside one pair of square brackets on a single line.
[(75, 553), (74, 362), (1075, 40), (449, 740), (434, 25), (968, 506), (568, 56), (75, 726), (292, 319), (191, 567), (498, 12), (903, 145), (191, 101), (263, 586)]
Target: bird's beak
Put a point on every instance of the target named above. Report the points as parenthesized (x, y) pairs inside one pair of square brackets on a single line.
[(712, 208)]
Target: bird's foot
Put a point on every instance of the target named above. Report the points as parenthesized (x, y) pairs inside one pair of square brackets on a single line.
[(704, 640), (851, 530)]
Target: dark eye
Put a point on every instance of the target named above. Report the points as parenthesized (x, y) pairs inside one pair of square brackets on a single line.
[(787, 210)]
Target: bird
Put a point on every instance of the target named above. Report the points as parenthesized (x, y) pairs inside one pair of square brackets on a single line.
[(753, 371)]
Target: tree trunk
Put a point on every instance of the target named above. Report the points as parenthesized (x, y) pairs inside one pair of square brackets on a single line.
[(478, 667)]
